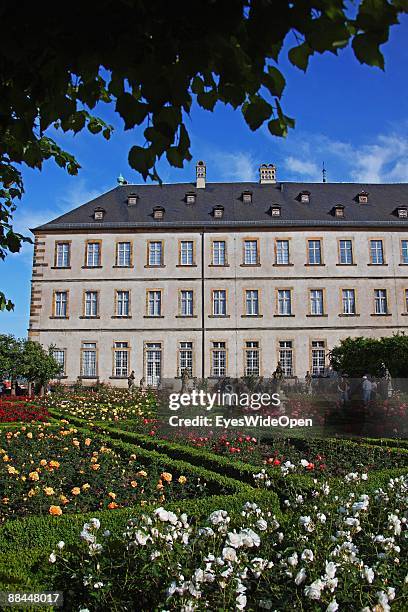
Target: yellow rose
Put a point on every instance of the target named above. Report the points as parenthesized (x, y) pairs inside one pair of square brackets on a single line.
[(54, 464), (88, 441), (182, 480), (33, 476), (166, 476), (86, 486), (76, 491), (133, 484), (32, 492), (49, 491), (141, 473), (112, 495), (43, 462)]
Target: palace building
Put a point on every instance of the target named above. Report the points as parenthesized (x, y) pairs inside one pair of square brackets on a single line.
[(225, 279)]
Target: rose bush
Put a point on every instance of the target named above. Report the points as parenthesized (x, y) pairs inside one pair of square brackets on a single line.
[(46, 469), (328, 553)]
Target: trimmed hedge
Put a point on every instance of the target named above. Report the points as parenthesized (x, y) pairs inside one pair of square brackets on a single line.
[(25, 544)]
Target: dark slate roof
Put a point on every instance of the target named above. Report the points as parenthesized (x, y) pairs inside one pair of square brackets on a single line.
[(379, 211)]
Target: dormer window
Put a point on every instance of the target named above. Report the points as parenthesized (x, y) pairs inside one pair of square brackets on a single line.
[(132, 199), (362, 197), (158, 212), (99, 214), (304, 197), (190, 197), (402, 212), (275, 210), (247, 197), (338, 210), (218, 212)]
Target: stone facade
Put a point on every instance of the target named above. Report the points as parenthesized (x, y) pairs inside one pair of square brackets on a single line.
[(74, 306)]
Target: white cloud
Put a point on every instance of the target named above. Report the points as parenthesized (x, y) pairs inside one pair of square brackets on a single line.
[(238, 166), (383, 159), (306, 169)]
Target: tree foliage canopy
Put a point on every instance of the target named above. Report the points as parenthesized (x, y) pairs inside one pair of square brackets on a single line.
[(152, 61), (26, 359), (359, 356)]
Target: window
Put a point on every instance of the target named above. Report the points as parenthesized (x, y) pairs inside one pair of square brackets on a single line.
[(122, 303), (123, 254), (282, 252), (251, 358), (251, 302), (62, 254), (286, 357), (284, 302), (250, 252), (61, 304), (99, 214), (404, 251), (186, 303), (316, 302), (59, 356), (121, 359), (186, 253), (218, 212), (153, 363), (190, 197), (314, 248), (219, 253), (346, 252), (93, 254), (376, 252), (349, 301), (318, 357), (186, 357), (380, 301), (304, 197), (247, 197), (158, 212), (218, 359), (155, 253), (275, 210), (89, 364), (402, 212), (91, 304), (154, 303), (219, 303)]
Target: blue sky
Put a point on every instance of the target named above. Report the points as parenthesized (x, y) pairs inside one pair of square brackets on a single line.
[(352, 117)]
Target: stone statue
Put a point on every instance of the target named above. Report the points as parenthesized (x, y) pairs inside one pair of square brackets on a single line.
[(131, 380), (142, 383), (185, 377), (308, 383), (388, 378)]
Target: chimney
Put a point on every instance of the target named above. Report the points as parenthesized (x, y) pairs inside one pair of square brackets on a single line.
[(200, 175), (267, 173)]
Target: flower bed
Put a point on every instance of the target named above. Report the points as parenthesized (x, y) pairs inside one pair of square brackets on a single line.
[(327, 553), (53, 470), (22, 409), (106, 404)]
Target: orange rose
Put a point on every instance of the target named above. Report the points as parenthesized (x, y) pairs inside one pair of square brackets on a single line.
[(95, 466), (55, 510), (64, 499), (43, 462), (54, 464), (112, 505), (76, 491), (133, 484), (166, 476), (88, 441)]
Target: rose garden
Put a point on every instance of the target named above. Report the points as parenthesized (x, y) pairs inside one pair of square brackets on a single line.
[(100, 502)]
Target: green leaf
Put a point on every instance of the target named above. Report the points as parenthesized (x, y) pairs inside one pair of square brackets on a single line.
[(274, 81), (366, 50), (174, 157), (299, 56), (132, 112), (256, 112)]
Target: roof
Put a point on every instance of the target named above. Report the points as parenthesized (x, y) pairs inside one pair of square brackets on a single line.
[(383, 199)]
